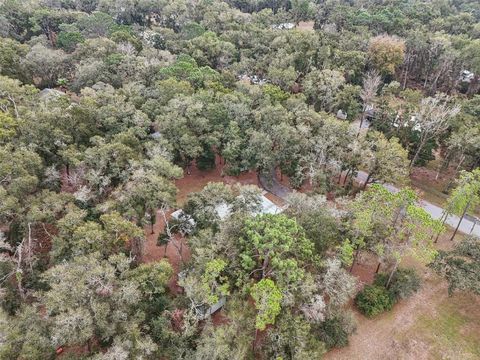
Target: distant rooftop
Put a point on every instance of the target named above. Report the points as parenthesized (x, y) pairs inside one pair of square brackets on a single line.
[(268, 207)]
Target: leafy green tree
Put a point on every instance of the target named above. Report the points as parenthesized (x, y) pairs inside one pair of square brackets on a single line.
[(374, 300), (15, 98), (68, 40), (347, 100), (232, 340), (413, 235), (210, 50), (146, 191), (45, 65), (95, 25), (465, 196), (302, 10), (393, 225), (186, 68), (460, 266), (293, 337), (90, 297), (8, 127), (26, 335), (187, 129), (405, 282), (385, 159), (274, 246), (209, 286), (319, 225), (152, 280), (432, 120), (267, 299), (12, 53), (386, 53), (20, 172), (322, 86), (107, 238), (336, 329)]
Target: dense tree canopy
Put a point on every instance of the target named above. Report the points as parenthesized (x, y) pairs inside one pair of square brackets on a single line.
[(106, 105)]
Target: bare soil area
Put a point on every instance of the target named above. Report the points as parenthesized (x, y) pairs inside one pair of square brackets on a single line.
[(197, 179)]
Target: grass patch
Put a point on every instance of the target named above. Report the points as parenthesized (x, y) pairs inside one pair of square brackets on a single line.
[(451, 332)]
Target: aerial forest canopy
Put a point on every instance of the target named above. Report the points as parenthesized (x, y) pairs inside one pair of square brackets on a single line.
[(113, 114)]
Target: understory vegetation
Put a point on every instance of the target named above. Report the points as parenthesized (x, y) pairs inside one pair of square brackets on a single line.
[(385, 291)]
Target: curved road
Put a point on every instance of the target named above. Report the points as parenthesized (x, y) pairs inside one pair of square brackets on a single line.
[(436, 212)]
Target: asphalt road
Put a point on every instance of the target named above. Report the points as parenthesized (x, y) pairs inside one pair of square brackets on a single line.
[(436, 212)]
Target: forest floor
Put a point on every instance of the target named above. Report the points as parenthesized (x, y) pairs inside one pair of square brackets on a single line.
[(429, 325), (197, 179)]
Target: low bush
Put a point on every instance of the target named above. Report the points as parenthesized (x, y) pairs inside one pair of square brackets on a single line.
[(374, 299), (404, 283), (335, 330)]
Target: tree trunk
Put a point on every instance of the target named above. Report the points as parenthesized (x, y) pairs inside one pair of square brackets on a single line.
[(444, 216), (152, 222), (378, 267), (366, 181), (461, 218), (346, 177), (406, 74), (394, 270), (397, 216), (473, 226), (415, 157), (362, 119), (462, 159), (166, 246)]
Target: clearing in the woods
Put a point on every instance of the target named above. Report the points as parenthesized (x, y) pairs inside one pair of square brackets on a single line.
[(429, 325)]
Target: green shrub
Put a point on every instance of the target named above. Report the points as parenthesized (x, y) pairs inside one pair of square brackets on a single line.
[(334, 331), (373, 300), (68, 40), (404, 283)]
